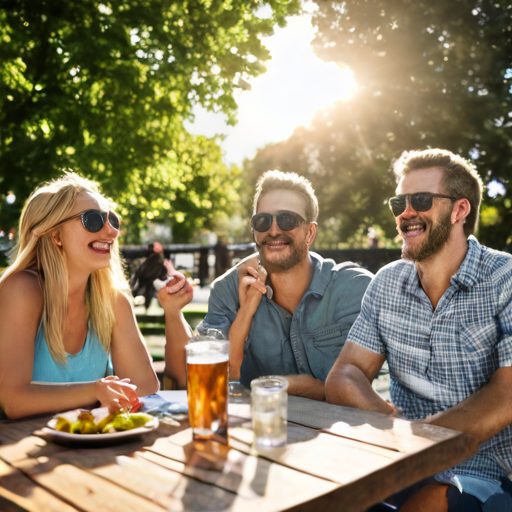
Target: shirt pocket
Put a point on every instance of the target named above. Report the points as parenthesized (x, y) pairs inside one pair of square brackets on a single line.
[(330, 336), (323, 347), (478, 340), (479, 350)]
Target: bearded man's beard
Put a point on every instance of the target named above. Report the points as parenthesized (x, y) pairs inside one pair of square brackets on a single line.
[(279, 262), (436, 239)]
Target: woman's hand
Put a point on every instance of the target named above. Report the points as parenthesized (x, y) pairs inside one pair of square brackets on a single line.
[(176, 293), (116, 393)]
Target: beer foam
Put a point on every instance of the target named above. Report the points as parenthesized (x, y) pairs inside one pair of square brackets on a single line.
[(207, 352), (208, 358)]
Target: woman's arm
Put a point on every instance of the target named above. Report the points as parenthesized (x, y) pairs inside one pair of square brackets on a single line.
[(21, 308), (173, 297), (130, 355)]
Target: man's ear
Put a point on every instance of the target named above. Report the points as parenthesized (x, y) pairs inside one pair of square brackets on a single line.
[(311, 234), (461, 210)]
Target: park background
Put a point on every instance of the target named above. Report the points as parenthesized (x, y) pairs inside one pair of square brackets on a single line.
[(144, 97)]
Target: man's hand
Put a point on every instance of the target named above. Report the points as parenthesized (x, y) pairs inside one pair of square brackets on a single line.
[(251, 285), (176, 293)]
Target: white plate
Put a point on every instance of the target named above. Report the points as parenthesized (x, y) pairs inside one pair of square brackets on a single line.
[(108, 438)]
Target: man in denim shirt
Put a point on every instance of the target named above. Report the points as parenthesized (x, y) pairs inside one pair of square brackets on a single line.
[(442, 318), (291, 315)]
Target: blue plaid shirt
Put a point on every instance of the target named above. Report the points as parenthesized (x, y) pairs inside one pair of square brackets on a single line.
[(438, 358)]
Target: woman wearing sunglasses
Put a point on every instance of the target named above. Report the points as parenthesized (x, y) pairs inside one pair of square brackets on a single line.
[(65, 316)]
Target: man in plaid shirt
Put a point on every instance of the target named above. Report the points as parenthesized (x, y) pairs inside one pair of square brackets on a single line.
[(442, 318)]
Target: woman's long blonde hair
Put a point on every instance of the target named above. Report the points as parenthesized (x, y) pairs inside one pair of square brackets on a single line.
[(47, 206)]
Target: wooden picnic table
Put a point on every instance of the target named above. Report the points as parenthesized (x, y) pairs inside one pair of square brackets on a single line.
[(336, 459)]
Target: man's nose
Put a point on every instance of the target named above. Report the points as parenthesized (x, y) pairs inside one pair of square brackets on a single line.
[(274, 228), (409, 210)]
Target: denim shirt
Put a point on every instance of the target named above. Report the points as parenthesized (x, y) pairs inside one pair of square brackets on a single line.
[(307, 342)]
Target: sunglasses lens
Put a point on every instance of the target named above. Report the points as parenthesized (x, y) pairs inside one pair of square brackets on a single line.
[(288, 221), (261, 222), (114, 220), (421, 202), (398, 205), (93, 220)]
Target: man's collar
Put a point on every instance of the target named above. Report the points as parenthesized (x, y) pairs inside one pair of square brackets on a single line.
[(467, 274), (319, 279)]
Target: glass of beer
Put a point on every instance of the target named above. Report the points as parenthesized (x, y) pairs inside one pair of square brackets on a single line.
[(207, 388), (269, 399)]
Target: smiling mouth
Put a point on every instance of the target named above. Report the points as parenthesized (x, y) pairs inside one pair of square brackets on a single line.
[(277, 244), (412, 228), (100, 246)]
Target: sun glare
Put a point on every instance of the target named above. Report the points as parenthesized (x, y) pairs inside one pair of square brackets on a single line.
[(296, 84)]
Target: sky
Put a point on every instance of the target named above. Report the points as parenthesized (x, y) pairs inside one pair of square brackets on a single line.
[(296, 84)]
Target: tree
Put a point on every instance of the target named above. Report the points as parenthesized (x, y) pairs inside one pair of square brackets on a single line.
[(106, 86), (436, 74), (344, 164), (430, 74)]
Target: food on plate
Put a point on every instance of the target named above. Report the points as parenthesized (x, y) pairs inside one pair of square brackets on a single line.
[(99, 421)]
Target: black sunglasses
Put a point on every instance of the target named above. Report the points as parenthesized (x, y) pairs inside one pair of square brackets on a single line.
[(92, 220), (285, 220), (421, 202)]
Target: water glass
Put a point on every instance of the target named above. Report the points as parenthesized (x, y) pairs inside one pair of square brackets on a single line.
[(269, 399)]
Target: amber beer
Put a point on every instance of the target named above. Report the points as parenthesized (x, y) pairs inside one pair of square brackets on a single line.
[(207, 389)]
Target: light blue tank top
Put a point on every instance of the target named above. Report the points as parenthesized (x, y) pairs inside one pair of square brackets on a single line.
[(91, 363)]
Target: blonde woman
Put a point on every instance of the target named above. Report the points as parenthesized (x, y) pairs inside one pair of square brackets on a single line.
[(64, 315)]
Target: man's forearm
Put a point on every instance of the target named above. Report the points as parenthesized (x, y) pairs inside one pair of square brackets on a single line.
[(483, 414), (306, 386), (347, 385)]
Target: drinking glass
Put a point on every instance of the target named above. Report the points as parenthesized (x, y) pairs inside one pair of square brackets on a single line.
[(269, 398), (207, 387)]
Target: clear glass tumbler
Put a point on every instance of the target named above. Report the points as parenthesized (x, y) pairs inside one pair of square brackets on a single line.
[(269, 399), (207, 387)]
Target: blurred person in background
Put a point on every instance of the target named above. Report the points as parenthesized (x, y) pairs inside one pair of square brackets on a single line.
[(155, 266)]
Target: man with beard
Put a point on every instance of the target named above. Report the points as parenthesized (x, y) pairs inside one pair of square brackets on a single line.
[(442, 318), (291, 314)]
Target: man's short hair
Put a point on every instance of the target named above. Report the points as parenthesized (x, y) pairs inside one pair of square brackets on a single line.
[(460, 177), (278, 180)]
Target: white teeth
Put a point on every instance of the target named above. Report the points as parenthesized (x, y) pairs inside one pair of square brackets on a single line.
[(100, 245)]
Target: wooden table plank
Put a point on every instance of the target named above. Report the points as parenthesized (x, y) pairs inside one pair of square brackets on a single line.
[(170, 489), (20, 493), (369, 457), (369, 427), (258, 483)]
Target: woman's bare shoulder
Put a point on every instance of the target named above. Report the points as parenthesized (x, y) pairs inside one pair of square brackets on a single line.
[(22, 287), (123, 304)]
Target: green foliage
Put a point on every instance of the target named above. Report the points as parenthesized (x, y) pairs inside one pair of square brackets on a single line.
[(350, 181), (105, 87), (431, 74)]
